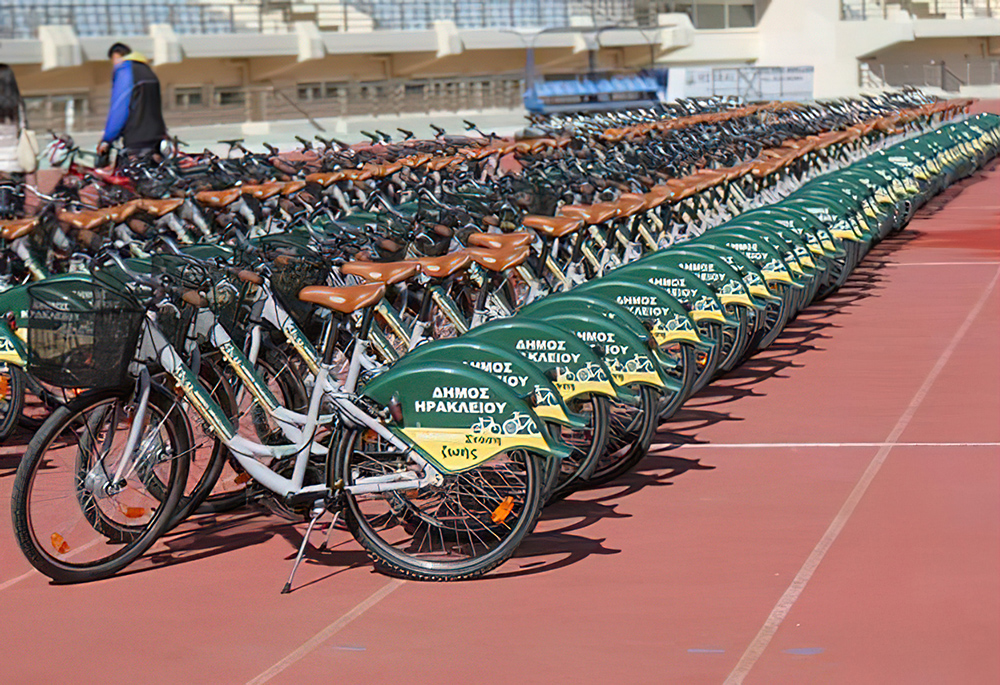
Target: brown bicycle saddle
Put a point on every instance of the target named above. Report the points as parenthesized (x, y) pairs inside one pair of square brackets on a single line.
[(158, 208), (496, 241), (17, 228), (552, 226), (591, 214), (499, 259), (263, 191), (87, 219), (381, 272), (445, 265), (345, 300), (217, 199)]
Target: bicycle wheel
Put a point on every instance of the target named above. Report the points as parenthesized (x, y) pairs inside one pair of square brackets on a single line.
[(39, 403), (71, 522), (230, 489), (461, 529), (208, 454), (632, 429), (588, 444), (685, 372), (708, 362), (735, 338), (11, 398)]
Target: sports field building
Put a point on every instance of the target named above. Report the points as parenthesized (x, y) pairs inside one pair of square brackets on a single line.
[(247, 64)]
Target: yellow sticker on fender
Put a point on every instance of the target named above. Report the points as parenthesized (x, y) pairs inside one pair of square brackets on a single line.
[(664, 337), (553, 412), (707, 315), (569, 389), (458, 449)]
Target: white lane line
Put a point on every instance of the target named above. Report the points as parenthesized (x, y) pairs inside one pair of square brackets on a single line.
[(32, 572), (328, 632), (779, 445), (15, 581), (784, 605), (895, 264)]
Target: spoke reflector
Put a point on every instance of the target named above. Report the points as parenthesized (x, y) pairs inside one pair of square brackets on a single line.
[(502, 511), (59, 543), (241, 478), (132, 512)]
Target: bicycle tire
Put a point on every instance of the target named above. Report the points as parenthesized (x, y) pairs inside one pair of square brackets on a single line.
[(670, 402), (400, 559), (131, 540), (630, 439), (589, 443), (12, 384)]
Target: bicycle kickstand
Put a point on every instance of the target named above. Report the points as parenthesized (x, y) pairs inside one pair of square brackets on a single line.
[(318, 508)]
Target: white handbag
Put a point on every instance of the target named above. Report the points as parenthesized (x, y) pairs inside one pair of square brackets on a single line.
[(27, 150)]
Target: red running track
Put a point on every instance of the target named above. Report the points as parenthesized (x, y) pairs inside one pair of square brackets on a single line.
[(829, 513)]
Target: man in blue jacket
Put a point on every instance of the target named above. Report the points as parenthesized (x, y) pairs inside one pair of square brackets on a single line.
[(136, 113)]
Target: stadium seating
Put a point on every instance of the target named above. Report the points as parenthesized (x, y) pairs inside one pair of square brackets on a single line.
[(21, 18)]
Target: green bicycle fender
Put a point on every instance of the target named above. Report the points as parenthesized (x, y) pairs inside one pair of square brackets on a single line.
[(792, 249), (838, 224), (670, 322), (683, 286), (12, 348), (456, 416), (522, 376), (16, 301), (714, 272), (209, 251), (556, 352), (620, 346), (798, 245), (558, 301), (753, 279), (800, 223), (765, 258), (559, 304), (756, 240)]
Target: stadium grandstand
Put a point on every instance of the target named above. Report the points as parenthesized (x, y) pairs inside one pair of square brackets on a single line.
[(246, 63)]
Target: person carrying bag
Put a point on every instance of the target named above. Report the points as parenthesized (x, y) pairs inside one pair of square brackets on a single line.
[(18, 144)]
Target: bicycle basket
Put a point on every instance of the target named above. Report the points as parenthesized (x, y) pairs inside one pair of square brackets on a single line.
[(228, 296), (81, 333), (293, 267)]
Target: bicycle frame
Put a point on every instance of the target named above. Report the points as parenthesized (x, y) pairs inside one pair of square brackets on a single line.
[(247, 452)]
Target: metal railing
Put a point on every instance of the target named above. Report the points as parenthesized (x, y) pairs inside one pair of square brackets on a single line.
[(483, 14), (949, 76), (705, 14), (316, 100), (852, 10)]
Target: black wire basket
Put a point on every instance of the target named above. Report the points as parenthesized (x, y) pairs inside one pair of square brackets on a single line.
[(82, 333), (229, 297), (294, 266)]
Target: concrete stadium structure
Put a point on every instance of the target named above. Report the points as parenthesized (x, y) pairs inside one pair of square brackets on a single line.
[(245, 64)]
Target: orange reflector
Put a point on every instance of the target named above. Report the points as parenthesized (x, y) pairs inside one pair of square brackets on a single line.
[(242, 478), (59, 543), (132, 512), (501, 513), (4, 386)]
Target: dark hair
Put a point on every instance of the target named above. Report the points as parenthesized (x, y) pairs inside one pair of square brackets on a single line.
[(119, 49), (10, 96)]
